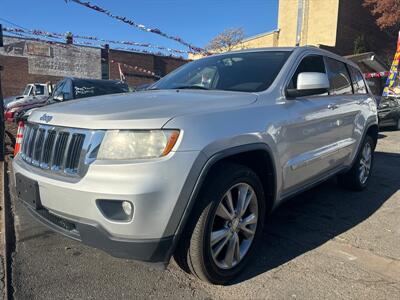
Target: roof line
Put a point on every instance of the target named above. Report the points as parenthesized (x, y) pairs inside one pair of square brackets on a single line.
[(260, 35)]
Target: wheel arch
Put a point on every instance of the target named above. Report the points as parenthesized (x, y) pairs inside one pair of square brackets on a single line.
[(238, 154), (373, 131)]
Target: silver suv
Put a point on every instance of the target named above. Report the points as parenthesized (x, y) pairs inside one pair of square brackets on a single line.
[(191, 167)]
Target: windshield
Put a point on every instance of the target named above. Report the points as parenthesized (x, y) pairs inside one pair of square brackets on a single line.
[(27, 90), (244, 72), (39, 89)]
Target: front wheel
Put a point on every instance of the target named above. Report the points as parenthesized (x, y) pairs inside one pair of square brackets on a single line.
[(358, 176), (226, 224)]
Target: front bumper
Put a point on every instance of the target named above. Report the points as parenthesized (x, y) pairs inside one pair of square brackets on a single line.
[(153, 187), (94, 235)]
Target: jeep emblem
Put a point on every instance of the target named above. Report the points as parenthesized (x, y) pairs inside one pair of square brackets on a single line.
[(46, 118)]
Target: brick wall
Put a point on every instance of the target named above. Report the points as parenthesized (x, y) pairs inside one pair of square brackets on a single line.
[(158, 64), (44, 62), (355, 21), (15, 75)]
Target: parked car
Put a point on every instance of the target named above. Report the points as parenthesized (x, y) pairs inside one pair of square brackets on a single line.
[(191, 167), (71, 88), (389, 112), (33, 94)]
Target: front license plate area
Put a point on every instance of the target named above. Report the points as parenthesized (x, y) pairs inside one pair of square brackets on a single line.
[(28, 191)]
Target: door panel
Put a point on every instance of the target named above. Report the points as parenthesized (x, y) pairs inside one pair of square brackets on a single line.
[(313, 143)]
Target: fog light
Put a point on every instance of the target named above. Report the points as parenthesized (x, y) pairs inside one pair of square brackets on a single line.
[(127, 207)]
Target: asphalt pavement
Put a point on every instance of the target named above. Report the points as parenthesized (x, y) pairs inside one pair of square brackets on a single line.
[(327, 243)]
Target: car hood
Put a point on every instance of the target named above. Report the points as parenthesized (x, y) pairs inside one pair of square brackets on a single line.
[(140, 110), (26, 100)]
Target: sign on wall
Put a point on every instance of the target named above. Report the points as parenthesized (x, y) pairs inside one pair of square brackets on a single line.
[(55, 59)]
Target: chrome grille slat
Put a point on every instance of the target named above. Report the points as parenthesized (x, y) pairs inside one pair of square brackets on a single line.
[(31, 143), (73, 155), (27, 132), (38, 146), (58, 150), (48, 148)]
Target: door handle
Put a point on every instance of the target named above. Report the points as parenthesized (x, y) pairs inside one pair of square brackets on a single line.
[(332, 106)]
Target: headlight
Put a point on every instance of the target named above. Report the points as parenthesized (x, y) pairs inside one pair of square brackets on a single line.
[(137, 144)]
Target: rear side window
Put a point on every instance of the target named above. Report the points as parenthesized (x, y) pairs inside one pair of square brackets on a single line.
[(312, 63), (357, 80), (86, 88), (339, 78)]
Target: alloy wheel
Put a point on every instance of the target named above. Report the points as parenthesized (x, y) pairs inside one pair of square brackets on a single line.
[(365, 163), (234, 225)]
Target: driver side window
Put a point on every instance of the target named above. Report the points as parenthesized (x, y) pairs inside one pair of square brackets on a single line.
[(311, 63)]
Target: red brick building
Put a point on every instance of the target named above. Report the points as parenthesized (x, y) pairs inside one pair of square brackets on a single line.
[(28, 61)]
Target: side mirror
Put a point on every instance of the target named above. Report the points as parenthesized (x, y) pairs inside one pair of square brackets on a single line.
[(60, 97), (309, 83)]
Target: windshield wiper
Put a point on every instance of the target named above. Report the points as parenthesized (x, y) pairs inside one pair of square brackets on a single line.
[(194, 87)]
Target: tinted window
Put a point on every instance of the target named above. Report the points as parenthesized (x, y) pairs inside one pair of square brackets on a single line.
[(246, 72), (39, 89), (312, 63), (67, 90), (88, 88), (357, 80), (338, 77)]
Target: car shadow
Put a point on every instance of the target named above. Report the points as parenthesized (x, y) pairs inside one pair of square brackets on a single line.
[(381, 136), (319, 215)]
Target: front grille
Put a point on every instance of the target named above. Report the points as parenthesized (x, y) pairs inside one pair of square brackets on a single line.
[(52, 148)]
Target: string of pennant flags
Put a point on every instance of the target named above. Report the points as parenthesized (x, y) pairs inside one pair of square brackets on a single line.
[(137, 25), (134, 68), (376, 74), (43, 33), (92, 44), (128, 66)]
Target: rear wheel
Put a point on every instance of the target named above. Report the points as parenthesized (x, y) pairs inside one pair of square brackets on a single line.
[(226, 225), (358, 176)]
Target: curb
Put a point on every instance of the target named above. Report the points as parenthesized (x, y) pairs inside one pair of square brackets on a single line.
[(4, 250), (5, 215)]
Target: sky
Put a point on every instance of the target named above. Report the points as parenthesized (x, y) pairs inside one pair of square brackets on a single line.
[(197, 22)]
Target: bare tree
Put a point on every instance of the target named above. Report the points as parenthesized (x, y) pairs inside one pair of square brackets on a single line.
[(387, 12), (226, 40)]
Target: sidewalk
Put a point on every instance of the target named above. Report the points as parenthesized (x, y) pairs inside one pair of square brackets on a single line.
[(2, 260)]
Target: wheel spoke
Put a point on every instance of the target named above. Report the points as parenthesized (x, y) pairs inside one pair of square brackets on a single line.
[(230, 250), (223, 212), (248, 232), (243, 200), (220, 246), (362, 173), (237, 248), (218, 235), (229, 202), (250, 219)]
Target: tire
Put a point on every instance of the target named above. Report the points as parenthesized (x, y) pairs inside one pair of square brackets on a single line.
[(397, 127), (353, 179), (195, 253)]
